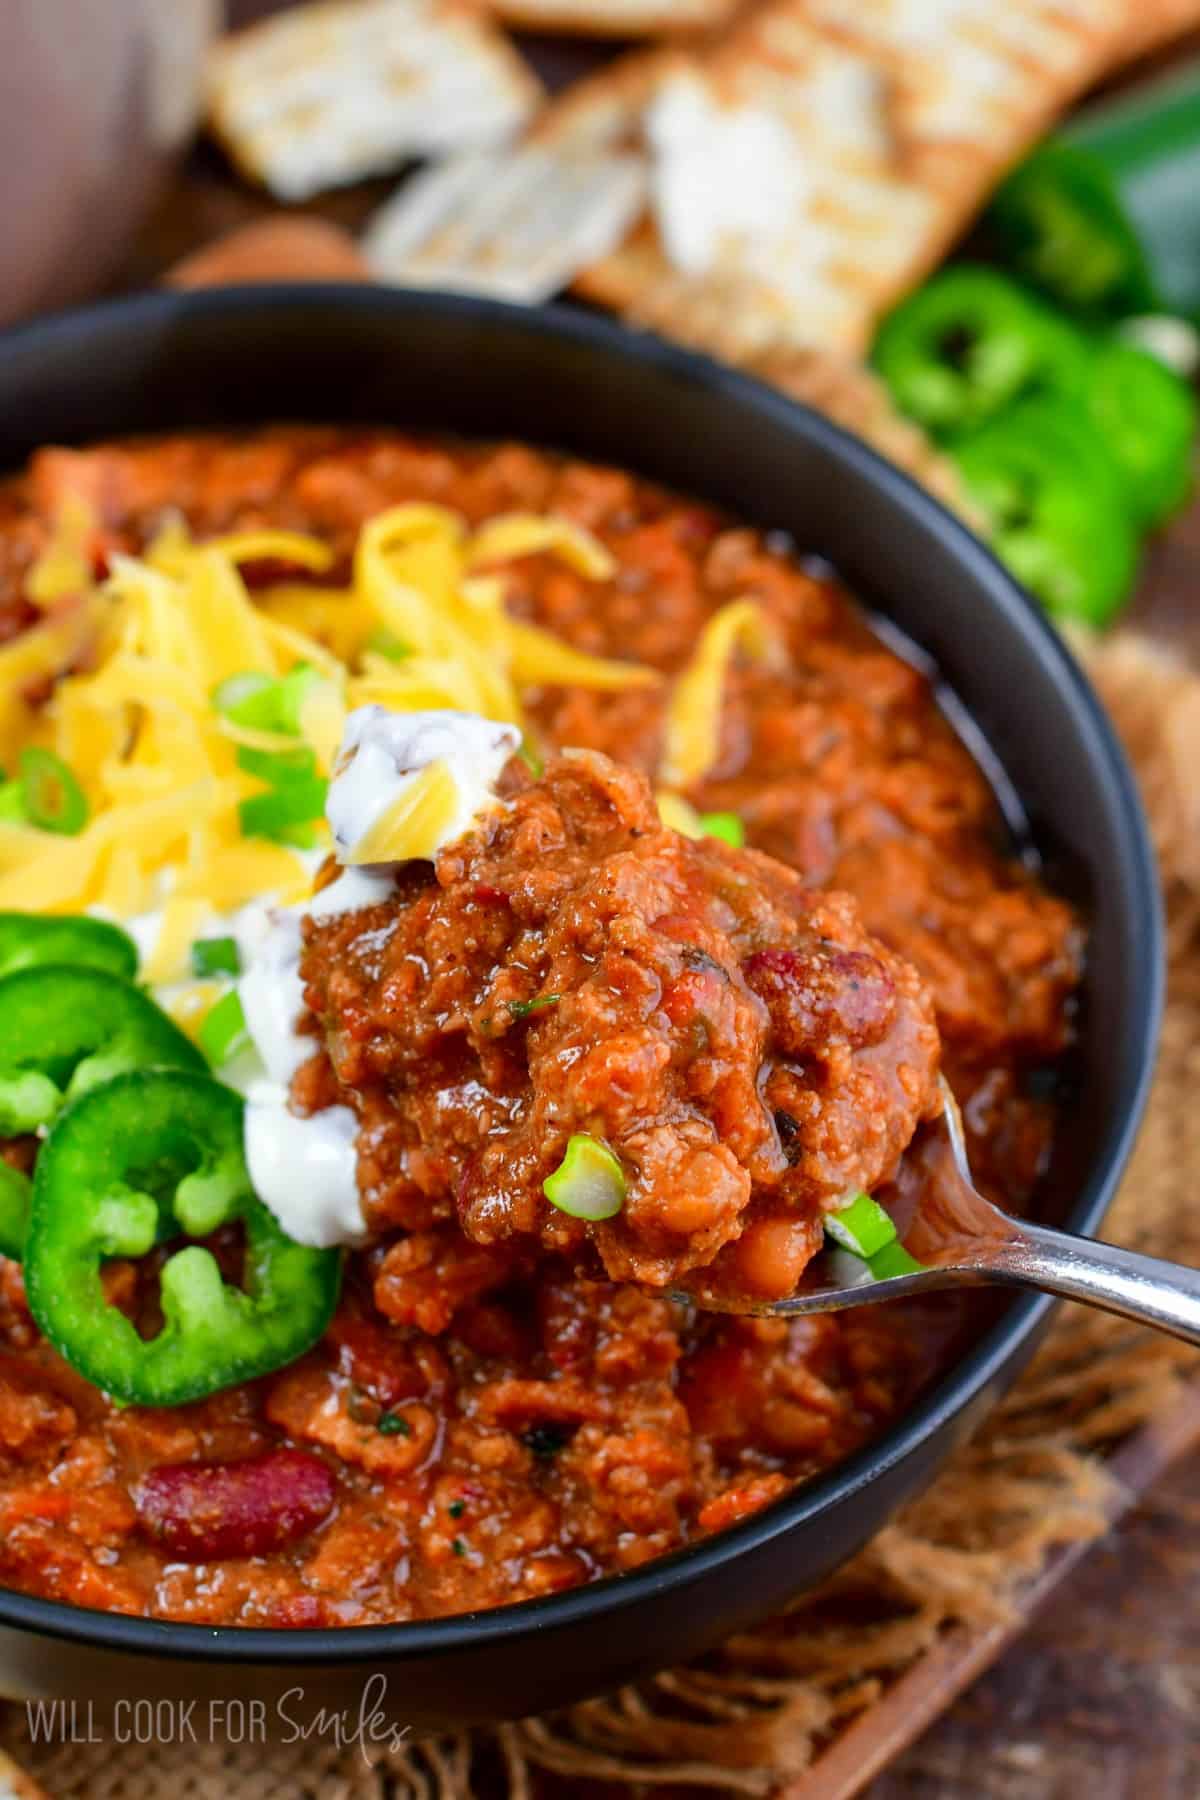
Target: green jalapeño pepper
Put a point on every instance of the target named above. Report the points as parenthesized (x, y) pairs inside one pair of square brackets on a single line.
[(30, 938), (1056, 509), (970, 343), (64, 1029), (1103, 216), (140, 1146), (15, 1191), (1147, 418)]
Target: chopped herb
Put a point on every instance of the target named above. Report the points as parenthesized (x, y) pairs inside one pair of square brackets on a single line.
[(531, 756), (457, 1508), (521, 1009), (216, 956), (788, 1128), (545, 1440), (693, 957), (458, 1547), (393, 1423)]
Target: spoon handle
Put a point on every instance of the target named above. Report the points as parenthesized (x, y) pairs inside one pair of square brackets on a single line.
[(1143, 1288)]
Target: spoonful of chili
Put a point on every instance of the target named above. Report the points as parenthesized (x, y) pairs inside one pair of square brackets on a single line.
[(959, 1239)]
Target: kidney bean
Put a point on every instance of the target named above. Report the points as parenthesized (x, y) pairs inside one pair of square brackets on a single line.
[(383, 1362), (207, 1512), (814, 995)]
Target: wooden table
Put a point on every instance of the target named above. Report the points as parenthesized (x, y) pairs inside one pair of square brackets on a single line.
[(1101, 1697)]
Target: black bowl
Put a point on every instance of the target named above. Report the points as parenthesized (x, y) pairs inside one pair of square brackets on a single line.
[(562, 378)]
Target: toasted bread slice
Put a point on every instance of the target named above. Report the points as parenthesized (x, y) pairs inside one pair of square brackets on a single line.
[(614, 18), (816, 161), (1153, 23), (518, 224), (335, 91), (972, 84)]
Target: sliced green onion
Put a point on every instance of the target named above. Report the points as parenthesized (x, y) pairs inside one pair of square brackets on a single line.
[(278, 813), (393, 1424), (52, 798), (386, 643), (724, 825), (216, 956), (893, 1259), (521, 1009), (589, 1182), (223, 1032), (294, 690), (277, 767), (862, 1227), (242, 698), (299, 837), (287, 813), (266, 702)]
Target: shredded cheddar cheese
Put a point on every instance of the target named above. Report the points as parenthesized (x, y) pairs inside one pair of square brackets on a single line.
[(66, 567), (677, 815), (132, 664), (414, 825), (519, 534), (692, 731)]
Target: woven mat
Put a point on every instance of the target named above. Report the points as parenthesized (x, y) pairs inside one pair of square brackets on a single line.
[(759, 1710)]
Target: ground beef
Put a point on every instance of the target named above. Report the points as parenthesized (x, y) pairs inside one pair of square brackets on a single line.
[(746, 1050)]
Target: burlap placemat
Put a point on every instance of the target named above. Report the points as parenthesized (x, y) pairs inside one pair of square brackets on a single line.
[(759, 1710)]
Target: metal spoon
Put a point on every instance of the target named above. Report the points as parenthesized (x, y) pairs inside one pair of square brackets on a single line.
[(962, 1240)]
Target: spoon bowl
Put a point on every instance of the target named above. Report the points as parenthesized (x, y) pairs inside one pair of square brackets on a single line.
[(961, 1239)]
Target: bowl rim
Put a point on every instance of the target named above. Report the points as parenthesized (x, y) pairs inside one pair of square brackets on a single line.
[(967, 1378)]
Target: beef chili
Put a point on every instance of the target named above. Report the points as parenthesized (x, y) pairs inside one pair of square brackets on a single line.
[(513, 1396)]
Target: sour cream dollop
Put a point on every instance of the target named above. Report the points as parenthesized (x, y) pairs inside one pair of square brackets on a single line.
[(272, 996), (383, 754), (305, 1170)]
